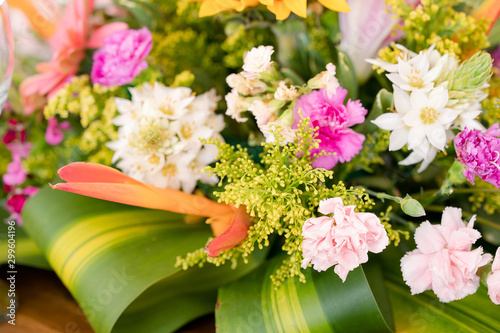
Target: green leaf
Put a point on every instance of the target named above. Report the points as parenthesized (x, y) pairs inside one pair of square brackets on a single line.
[(346, 75), (118, 261), (26, 251), (383, 102), (145, 13), (323, 304), (424, 313)]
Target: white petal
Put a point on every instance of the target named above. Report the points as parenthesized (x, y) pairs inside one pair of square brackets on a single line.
[(398, 139), (401, 100), (389, 121), (415, 136), (436, 135)]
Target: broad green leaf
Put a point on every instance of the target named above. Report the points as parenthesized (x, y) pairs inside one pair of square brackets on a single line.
[(383, 102), (425, 313), (26, 251), (494, 36), (323, 304), (145, 13), (118, 261), (346, 75)]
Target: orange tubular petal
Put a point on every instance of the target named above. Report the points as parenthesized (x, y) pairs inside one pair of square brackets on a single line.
[(233, 235), (102, 182), (489, 9)]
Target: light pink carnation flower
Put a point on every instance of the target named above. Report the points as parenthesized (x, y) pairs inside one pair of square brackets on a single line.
[(121, 58), (343, 240), (493, 280), (443, 260)]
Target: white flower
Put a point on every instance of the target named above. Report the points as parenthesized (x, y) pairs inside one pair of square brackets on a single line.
[(159, 135), (261, 112), (428, 118), (245, 86), (394, 121), (288, 133), (257, 60), (236, 105), (330, 81), (285, 93), (325, 79), (417, 72), (424, 153)]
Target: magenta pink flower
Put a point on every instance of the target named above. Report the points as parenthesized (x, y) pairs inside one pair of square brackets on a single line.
[(333, 120), (16, 175), (480, 153), (342, 240), (54, 134), (496, 61), (16, 201), (121, 58), (493, 280), (443, 260)]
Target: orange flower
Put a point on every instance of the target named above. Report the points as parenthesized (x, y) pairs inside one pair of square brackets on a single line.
[(281, 8), (490, 10), (229, 224), (69, 41)]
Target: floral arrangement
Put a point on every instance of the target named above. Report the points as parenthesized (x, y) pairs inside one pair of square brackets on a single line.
[(283, 163)]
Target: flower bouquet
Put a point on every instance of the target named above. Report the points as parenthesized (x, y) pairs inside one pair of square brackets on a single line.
[(288, 165)]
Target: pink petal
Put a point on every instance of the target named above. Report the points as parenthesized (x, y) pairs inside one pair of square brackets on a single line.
[(428, 238), (416, 272), (495, 266), (329, 206), (99, 35)]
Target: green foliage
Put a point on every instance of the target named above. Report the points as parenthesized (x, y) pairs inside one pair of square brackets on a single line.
[(91, 109), (280, 193), (324, 304), (437, 22)]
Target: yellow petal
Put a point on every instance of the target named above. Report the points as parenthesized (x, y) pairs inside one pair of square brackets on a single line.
[(336, 5), (280, 10), (267, 2), (299, 7), (211, 7)]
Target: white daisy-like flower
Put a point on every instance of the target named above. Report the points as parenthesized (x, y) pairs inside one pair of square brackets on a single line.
[(428, 118), (393, 121), (159, 135), (417, 72)]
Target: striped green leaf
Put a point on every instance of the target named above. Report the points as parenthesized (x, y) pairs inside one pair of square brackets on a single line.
[(118, 261), (323, 304), (424, 313), (26, 251)]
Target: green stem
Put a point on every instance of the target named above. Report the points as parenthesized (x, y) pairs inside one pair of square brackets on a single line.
[(382, 196)]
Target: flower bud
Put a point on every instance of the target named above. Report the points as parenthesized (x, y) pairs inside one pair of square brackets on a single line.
[(412, 207)]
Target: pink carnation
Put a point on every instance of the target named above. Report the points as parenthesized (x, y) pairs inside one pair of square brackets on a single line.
[(333, 120), (480, 153), (493, 280), (342, 240), (443, 260), (121, 58)]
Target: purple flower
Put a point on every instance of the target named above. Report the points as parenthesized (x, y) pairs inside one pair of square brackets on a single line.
[(333, 119), (121, 58), (480, 153)]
